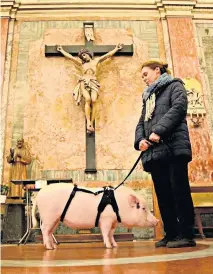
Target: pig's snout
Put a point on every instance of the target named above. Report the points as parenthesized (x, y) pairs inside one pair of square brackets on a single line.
[(155, 222), (152, 220)]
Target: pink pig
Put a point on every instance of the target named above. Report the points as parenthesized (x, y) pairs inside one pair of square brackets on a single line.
[(82, 211)]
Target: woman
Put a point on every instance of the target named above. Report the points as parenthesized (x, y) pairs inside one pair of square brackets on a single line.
[(88, 86), (162, 135)]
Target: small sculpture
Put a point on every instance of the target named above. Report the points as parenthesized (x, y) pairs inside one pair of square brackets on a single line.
[(19, 158), (89, 32), (196, 109)]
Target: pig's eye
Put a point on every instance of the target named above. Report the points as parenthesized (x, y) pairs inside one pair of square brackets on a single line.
[(138, 205)]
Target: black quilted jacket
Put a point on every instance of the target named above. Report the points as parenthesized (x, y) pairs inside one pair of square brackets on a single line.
[(169, 122)]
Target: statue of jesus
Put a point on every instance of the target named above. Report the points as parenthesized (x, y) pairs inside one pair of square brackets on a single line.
[(87, 85)]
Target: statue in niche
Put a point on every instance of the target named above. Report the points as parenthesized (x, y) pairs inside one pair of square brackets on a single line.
[(19, 158), (87, 85), (196, 109), (195, 99)]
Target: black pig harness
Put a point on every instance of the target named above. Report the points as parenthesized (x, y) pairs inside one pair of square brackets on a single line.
[(108, 197)]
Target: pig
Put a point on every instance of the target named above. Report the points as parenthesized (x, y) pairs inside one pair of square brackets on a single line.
[(82, 211)]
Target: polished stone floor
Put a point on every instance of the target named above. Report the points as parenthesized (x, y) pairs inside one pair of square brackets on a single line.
[(92, 258)]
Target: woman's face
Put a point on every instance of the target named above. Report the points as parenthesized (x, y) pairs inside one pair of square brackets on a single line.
[(85, 57), (150, 75)]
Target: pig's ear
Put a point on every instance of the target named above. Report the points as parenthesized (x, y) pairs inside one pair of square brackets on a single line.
[(133, 201)]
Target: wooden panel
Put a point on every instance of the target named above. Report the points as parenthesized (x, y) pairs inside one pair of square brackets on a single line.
[(75, 238)]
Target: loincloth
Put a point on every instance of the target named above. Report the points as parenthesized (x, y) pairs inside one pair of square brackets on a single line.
[(91, 85)]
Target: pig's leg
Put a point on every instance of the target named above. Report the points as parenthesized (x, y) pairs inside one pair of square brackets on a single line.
[(47, 235), (105, 226), (53, 230), (111, 236)]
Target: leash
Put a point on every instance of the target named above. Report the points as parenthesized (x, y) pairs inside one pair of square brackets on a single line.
[(134, 166)]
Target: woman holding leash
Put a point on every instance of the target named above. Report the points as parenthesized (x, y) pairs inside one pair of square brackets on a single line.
[(162, 135)]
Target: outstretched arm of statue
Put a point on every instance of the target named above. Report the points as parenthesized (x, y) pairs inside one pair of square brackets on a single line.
[(68, 55), (110, 53)]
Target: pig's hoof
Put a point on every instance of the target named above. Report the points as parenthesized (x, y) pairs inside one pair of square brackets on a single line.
[(115, 245), (108, 246), (49, 248)]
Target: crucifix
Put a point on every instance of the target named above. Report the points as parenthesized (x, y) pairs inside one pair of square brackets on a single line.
[(87, 85)]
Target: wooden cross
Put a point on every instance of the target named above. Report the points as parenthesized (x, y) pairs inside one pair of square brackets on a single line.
[(127, 50)]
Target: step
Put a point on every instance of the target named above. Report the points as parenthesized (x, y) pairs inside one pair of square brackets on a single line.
[(87, 237)]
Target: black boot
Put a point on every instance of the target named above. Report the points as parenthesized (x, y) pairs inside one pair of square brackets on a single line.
[(162, 243), (181, 242)]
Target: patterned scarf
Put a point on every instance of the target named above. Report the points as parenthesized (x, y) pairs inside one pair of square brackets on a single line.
[(149, 95)]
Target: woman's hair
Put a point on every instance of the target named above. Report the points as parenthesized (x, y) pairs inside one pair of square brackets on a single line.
[(82, 51), (153, 64)]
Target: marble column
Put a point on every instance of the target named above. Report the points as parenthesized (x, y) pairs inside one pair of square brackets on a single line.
[(186, 65), (4, 32)]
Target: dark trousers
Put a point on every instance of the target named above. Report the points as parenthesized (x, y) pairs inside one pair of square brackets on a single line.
[(174, 197)]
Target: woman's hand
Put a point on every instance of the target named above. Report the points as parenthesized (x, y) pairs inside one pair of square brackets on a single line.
[(154, 137), (144, 145)]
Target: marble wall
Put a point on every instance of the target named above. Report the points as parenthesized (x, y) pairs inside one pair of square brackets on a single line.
[(42, 106), (204, 38)]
